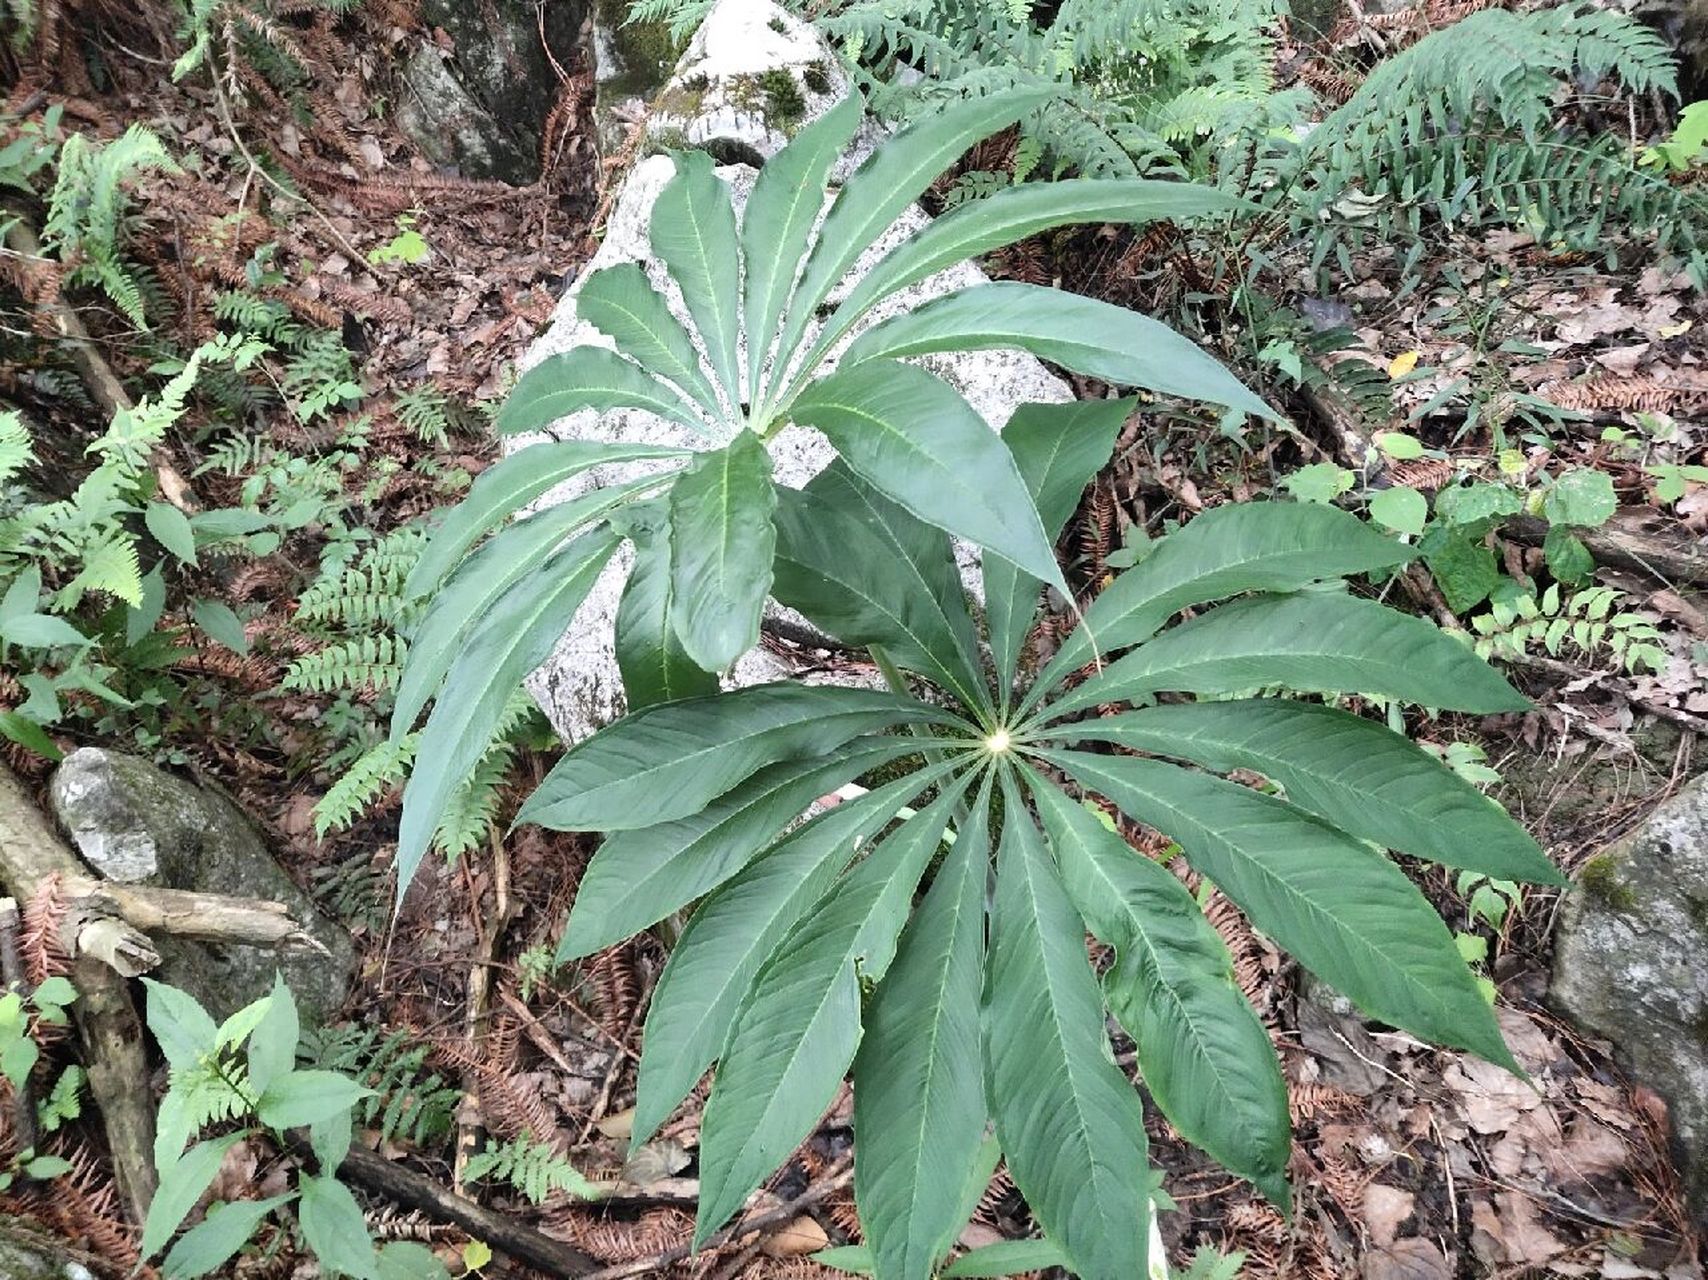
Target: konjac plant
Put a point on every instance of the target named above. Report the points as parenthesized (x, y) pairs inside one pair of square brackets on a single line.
[(929, 935)]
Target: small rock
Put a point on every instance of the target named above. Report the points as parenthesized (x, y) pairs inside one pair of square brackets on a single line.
[(137, 824), (1631, 966)]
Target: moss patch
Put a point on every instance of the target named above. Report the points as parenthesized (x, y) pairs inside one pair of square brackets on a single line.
[(774, 95), (1600, 878)]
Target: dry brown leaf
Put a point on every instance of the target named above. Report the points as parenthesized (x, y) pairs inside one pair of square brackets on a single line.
[(1409, 1259), (798, 1238), (1385, 1208), (1492, 1097)]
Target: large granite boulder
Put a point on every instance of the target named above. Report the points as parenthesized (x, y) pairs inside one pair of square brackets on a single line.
[(135, 823), (579, 687), (1631, 965)]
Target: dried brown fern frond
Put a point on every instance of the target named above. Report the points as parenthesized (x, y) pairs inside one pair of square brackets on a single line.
[(999, 1199), (1344, 1181), (370, 304), (252, 674), (613, 1239), (1312, 1101), (509, 1106), (614, 983), (39, 937), (1629, 394), (1422, 473), (1097, 528)]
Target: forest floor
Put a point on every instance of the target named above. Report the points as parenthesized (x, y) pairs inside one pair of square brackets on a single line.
[(1410, 1163)]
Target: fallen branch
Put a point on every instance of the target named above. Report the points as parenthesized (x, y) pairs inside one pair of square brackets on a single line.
[(504, 1234), (108, 1029)]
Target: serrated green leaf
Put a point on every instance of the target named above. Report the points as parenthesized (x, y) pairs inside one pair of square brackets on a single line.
[(516, 635), (778, 221), (170, 527), (29, 735), (1581, 497), (1401, 509), (1206, 1058), (919, 1107), (1070, 1124), (1342, 909), (693, 232), (273, 1044), (1098, 339), (913, 438), (588, 378), (508, 486), (621, 303), (1357, 774), (1568, 559), (42, 631), (867, 572), (799, 1024), (221, 624), (1316, 641), (1259, 546), (1058, 448), (670, 761), (180, 1025), (1006, 1258), (732, 933), (638, 877), (721, 546)]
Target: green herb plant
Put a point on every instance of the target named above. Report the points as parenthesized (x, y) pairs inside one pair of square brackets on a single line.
[(241, 1077), (806, 957), (19, 1054)]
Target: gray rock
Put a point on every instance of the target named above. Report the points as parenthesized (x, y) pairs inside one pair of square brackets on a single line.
[(631, 62), (1631, 965), (480, 106), (137, 824), (28, 1255), (579, 687)]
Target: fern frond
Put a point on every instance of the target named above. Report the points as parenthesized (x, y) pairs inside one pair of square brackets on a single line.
[(533, 1168), (15, 448), (409, 1103), (363, 664), (111, 567), (374, 772)]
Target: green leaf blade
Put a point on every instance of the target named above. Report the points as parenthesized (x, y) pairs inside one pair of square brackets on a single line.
[(693, 233), (721, 547), (914, 439), (1094, 338), (1071, 1126), (588, 377), (672, 760), (919, 1108), (1205, 1056), (798, 1026), (1342, 909), (621, 303), (654, 665), (1357, 774)]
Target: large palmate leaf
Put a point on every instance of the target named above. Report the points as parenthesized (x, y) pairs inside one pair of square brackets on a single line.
[(867, 572), (1119, 346), (797, 1029), (1239, 547), (672, 760), (1070, 1125), (1058, 448), (693, 233), (919, 1106), (1205, 1057), (484, 579), (1322, 641), (892, 178), (1358, 774), (732, 933), (515, 637), (589, 378), (914, 439), (721, 542), (507, 487), (638, 877), (621, 303), (978, 226), (778, 221), (1347, 913)]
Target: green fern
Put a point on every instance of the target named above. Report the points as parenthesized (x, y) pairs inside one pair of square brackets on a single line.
[(84, 226), (533, 1168), (409, 1103), (354, 597), (376, 771), (363, 664), (1591, 620), (16, 451)]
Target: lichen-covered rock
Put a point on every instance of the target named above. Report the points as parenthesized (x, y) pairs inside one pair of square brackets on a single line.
[(137, 824), (631, 62), (28, 1255), (1631, 965)]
